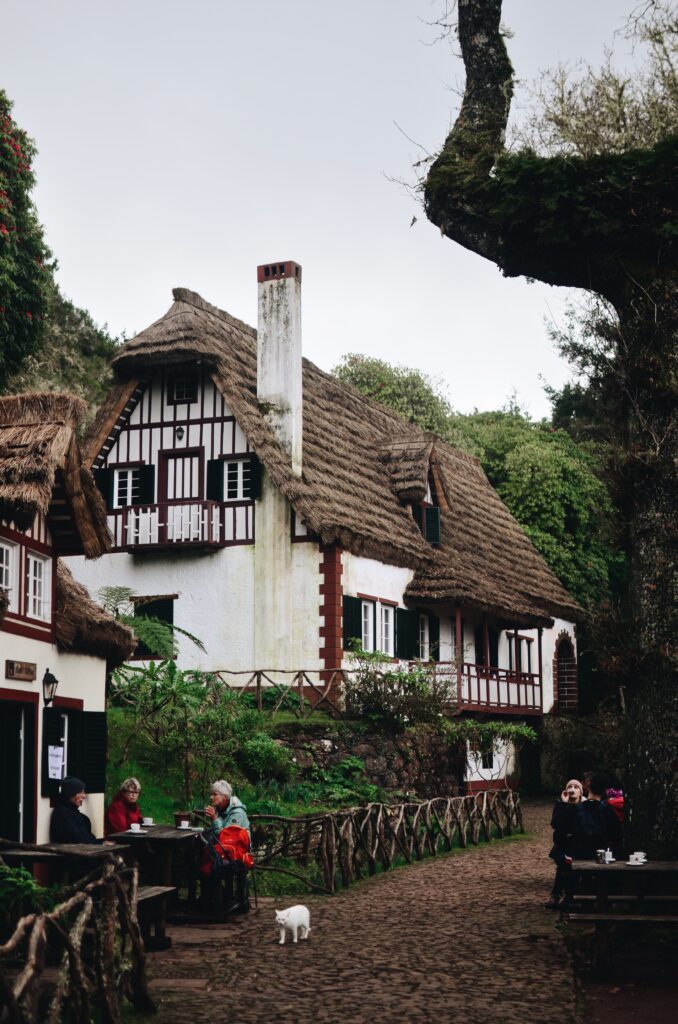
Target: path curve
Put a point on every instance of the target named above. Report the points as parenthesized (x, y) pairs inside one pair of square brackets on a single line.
[(463, 938)]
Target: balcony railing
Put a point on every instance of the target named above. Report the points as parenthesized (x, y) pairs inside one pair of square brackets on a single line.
[(479, 688), (210, 524)]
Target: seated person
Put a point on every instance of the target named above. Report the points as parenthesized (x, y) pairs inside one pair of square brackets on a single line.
[(226, 810), (124, 809), (606, 817), (68, 824)]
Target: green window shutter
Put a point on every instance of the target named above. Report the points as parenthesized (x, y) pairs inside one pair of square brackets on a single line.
[(434, 637), (103, 478), (494, 646), (353, 625), (432, 524), (146, 486), (52, 736), (418, 516), (215, 480), (407, 634), (255, 477), (479, 643), (93, 736)]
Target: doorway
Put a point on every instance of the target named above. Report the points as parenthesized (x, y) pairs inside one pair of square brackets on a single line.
[(17, 770)]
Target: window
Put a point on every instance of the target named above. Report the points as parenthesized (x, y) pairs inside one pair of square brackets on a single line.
[(238, 480), (424, 641), (487, 760), (8, 561), (387, 631), (184, 388), (38, 587), (368, 625), (126, 487)]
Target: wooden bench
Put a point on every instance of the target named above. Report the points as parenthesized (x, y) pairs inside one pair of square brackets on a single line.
[(151, 905)]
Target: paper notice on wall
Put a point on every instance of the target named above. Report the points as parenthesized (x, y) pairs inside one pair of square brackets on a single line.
[(55, 762)]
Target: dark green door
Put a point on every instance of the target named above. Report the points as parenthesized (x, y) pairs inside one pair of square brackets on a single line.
[(17, 771)]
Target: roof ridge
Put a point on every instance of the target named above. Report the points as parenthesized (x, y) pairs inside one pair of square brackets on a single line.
[(192, 298)]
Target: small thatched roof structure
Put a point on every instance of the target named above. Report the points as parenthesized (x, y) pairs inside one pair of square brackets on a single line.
[(41, 472), (362, 464), (84, 627)]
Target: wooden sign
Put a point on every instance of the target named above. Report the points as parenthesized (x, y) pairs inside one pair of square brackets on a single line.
[(24, 671)]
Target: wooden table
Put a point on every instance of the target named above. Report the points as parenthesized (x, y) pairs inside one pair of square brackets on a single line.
[(63, 856), (622, 893), (162, 840)]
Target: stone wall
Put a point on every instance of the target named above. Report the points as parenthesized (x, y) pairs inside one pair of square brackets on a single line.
[(419, 761)]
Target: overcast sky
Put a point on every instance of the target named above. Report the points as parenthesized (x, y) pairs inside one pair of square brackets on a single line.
[(183, 143)]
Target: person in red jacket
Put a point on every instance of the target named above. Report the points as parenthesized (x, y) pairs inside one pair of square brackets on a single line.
[(124, 809)]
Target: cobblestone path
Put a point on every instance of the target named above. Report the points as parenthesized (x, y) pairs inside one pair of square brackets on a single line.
[(462, 938)]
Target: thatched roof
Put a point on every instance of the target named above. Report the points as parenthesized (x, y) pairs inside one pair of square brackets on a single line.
[(361, 465), (41, 472), (84, 627)]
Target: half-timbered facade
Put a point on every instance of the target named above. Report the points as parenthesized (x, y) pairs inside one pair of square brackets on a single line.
[(54, 641), (281, 516)]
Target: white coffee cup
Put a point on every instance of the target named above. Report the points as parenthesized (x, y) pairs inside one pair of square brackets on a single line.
[(608, 857), (135, 826), (639, 856), (147, 821), (184, 824)]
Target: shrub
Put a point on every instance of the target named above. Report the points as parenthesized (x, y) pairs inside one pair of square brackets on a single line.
[(394, 699), (262, 757)]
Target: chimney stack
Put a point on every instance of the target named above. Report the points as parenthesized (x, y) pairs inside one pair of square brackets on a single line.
[(279, 354)]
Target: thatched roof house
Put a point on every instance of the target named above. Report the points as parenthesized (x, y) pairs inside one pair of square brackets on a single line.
[(362, 466), (41, 474)]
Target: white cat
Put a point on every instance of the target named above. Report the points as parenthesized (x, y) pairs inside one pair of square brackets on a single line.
[(294, 919)]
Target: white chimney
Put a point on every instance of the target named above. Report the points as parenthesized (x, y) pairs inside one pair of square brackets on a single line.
[(279, 353)]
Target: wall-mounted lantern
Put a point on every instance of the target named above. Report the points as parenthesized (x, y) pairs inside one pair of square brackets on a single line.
[(179, 433), (49, 687)]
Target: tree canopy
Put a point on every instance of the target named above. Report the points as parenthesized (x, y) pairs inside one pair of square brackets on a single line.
[(25, 269)]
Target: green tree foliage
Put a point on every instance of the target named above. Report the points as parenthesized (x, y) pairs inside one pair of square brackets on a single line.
[(549, 482), (74, 354), (25, 270)]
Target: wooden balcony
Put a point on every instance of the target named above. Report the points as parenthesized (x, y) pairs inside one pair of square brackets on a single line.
[(182, 524), (495, 690)]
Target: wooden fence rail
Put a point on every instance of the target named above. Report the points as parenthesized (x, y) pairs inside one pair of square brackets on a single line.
[(95, 928), (348, 845)]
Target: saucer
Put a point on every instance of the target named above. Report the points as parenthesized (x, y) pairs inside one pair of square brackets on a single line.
[(136, 832)]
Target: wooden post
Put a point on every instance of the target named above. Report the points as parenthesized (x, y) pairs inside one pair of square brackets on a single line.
[(541, 682), (258, 688), (458, 650)]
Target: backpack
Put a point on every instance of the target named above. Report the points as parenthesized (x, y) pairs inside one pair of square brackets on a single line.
[(219, 852)]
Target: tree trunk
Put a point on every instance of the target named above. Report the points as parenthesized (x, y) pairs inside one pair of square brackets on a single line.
[(607, 224)]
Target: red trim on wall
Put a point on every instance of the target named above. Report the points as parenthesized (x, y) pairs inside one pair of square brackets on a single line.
[(17, 627), (68, 702), (331, 649), (26, 697)]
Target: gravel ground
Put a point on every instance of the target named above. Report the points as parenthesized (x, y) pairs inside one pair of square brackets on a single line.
[(462, 938)]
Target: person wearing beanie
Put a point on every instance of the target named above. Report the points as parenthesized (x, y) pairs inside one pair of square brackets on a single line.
[(565, 825), (68, 824)]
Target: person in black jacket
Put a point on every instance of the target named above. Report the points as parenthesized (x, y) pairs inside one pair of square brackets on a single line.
[(68, 824), (566, 825)]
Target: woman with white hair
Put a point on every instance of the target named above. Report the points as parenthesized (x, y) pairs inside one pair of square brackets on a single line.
[(124, 809), (225, 810)]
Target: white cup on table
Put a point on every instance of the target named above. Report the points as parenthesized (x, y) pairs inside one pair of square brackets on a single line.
[(147, 821), (135, 827)]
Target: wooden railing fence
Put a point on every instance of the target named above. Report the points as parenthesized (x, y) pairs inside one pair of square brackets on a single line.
[(350, 844), (283, 685), (95, 931)]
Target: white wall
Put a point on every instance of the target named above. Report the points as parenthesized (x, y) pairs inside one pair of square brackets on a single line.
[(81, 677)]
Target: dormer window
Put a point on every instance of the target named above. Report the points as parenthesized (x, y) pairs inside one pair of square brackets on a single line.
[(183, 389), (427, 514)]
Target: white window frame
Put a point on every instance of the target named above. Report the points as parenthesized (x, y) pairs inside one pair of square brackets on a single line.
[(243, 480), (424, 638), (131, 485), (8, 572), (367, 609), (387, 629), (38, 586)]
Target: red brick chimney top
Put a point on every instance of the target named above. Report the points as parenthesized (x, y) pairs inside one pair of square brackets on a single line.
[(278, 271)]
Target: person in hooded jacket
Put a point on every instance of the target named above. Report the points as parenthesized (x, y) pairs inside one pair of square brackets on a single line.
[(68, 824), (226, 809)]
